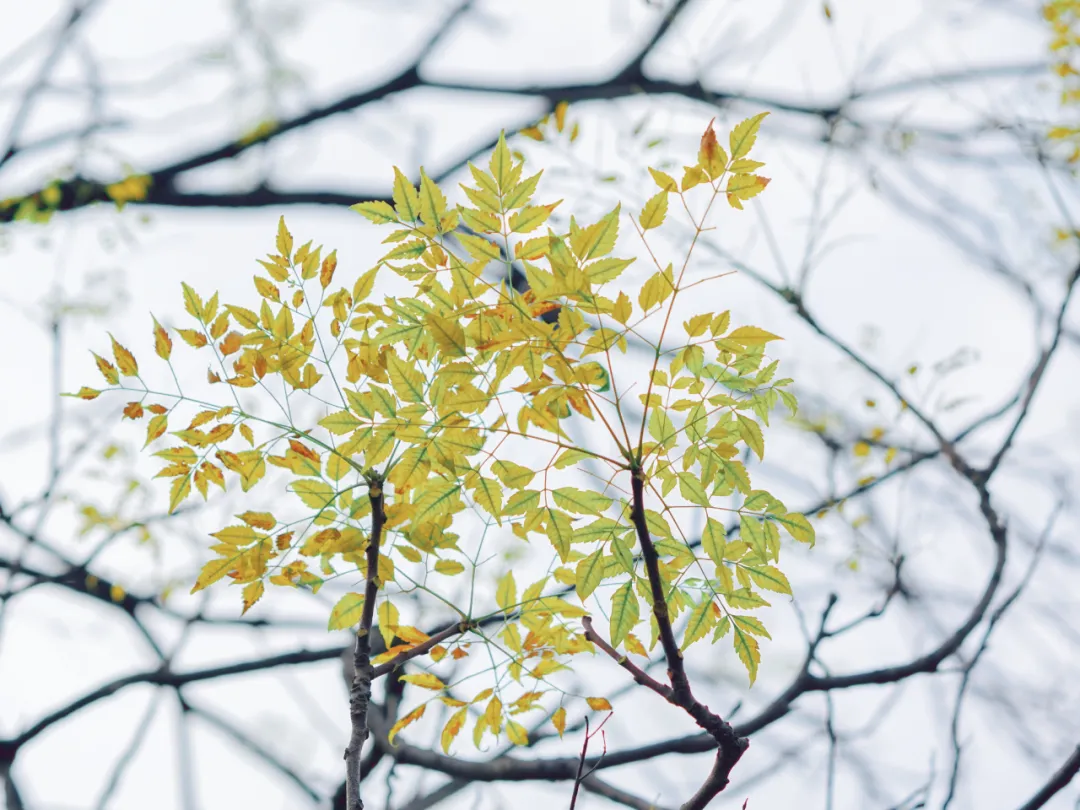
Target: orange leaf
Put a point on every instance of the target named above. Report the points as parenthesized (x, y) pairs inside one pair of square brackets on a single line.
[(411, 717), (124, 360), (162, 341), (326, 272), (451, 729), (107, 369), (259, 520), (231, 343), (303, 450)]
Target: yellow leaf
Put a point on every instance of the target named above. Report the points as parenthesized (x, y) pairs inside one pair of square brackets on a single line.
[(517, 733), (448, 335), (751, 336), (743, 136), (599, 239), (181, 488), (452, 728), (664, 180), (449, 567), (693, 176), (347, 612), (388, 620), (656, 289), (107, 369), (192, 338), (598, 704), (376, 210), (406, 200), (213, 571), (125, 361), (162, 341), (861, 449), (316, 494), (559, 720), (411, 717), (364, 285), (284, 239), (590, 572), (743, 187), (407, 381), (746, 646), (652, 215), (252, 593), (501, 164), (237, 535), (259, 520), (266, 289), (432, 201), (506, 592), (425, 680), (192, 302), (625, 613), (326, 272), (156, 428)]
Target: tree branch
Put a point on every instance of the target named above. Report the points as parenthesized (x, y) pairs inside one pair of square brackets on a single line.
[(360, 693)]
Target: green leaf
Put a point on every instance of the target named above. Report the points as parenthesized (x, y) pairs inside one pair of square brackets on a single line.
[(797, 526), (432, 500), (690, 488), (623, 555), (657, 526), (448, 334), (512, 475), (406, 200), (521, 502), (347, 612), (625, 613), (750, 625), (590, 572), (599, 239), (602, 529), (340, 423), (377, 211), (501, 164), (583, 502), (746, 647), (489, 495), (432, 201), (769, 578), (604, 270), (660, 426), (560, 532), (699, 623), (568, 457), (752, 533), (750, 432), (744, 598), (713, 540), (316, 494)]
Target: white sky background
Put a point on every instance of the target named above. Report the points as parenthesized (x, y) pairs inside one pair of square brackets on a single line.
[(883, 281)]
